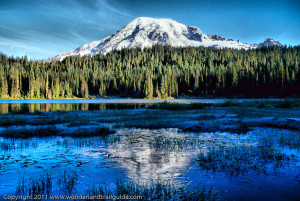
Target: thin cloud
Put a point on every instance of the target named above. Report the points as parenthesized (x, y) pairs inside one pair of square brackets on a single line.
[(106, 5), (67, 24)]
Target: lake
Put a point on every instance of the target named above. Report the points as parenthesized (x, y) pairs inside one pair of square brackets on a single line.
[(97, 104), (242, 153)]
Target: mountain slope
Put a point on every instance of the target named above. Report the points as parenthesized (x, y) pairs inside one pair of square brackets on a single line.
[(269, 42), (145, 32)]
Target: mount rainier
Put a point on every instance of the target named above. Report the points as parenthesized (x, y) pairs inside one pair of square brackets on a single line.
[(145, 32)]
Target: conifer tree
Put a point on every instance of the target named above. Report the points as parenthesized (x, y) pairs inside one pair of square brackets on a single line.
[(4, 87)]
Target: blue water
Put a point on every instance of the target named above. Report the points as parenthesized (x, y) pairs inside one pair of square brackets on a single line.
[(138, 155)]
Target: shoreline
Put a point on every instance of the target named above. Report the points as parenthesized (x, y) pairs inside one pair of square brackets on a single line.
[(133, 100)]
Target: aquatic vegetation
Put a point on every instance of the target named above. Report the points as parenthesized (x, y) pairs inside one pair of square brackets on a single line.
[(6, 146), (229, 103), (53, 130), (164, 190), (241, 159), (238, 127), (90, 131), (282, 139), (174, 143), (96, 190), (176, 106), (12, 144), (27, 132), (143, 145), (41, 185), (290, 140), (1, 165), (35, 185), (158, 190), (38, 119), (3, 159), (30, 119), (281, 123), (68, 181), (90, 142), (287, 103)]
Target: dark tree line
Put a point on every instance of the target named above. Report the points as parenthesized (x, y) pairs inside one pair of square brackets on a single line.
[(160, 71)]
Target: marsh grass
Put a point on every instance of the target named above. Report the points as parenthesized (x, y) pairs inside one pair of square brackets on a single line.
[(2, 165), (35, 185), (68, 181), (282, 139), (281, 123), (21, 188), (175, 144), (241, 159), (90, 142), (286, 103), (3, 161), (32, 119), (12, 144), (96, 123), (25, 132), (87, 131), (96, 190), (157, 190), (43, 184), (152, 124), (291, 141), (151, 119), (7, 146), (177, 106), (229, 103), (28, 132), (238, 127)]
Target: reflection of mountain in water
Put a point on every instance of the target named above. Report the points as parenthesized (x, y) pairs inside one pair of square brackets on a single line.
[(142, 160), (165, 154)]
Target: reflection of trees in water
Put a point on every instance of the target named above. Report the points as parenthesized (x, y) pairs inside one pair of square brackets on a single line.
[(41, 107), (34, 107), (52, 107), (3, 108), (16, 107), (84, 106)]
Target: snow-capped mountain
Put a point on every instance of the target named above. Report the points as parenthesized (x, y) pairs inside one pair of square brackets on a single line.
[(145, 32), (269, 42)]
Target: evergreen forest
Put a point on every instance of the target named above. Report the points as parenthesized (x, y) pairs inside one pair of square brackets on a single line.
[(160, 71)]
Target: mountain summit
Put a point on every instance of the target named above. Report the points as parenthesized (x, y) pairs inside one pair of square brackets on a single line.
[(269, 42), (145, 32)]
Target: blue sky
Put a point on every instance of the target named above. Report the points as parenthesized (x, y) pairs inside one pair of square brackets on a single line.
[(45, 28)]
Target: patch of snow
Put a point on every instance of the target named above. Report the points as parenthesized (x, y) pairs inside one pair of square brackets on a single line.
[(146, 32)]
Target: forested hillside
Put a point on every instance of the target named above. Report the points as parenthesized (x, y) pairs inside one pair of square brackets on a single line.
[(160, 71)]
